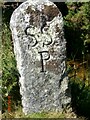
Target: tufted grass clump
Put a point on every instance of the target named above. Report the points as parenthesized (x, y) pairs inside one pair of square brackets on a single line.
[(80, 93)]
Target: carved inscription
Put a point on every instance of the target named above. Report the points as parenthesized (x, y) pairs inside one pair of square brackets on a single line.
[(43, 58), (47, 40), (33, 40)]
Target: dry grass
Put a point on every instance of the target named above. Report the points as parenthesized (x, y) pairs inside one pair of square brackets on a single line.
[(19, 114)]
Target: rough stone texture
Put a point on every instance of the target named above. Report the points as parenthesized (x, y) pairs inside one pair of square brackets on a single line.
[(39, 46)]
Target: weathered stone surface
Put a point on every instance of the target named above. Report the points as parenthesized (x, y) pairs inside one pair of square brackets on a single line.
[(39, 46)]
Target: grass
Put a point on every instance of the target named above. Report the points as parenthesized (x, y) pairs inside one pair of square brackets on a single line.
[(19, 114)]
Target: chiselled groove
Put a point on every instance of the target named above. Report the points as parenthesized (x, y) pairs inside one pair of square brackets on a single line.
[(42, 59), (34, 41), (34, 36)]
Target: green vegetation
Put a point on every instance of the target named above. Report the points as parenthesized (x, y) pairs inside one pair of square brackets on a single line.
[(20, 114), (77, 28), (10, 74), (80, 97), (77, 34)]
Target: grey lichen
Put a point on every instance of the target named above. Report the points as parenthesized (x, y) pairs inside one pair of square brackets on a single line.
[(39, 47)]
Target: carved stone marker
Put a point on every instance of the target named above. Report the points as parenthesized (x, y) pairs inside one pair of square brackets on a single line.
[(39, 46)]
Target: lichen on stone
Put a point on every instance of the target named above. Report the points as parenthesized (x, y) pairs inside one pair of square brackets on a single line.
[(39, 47)]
